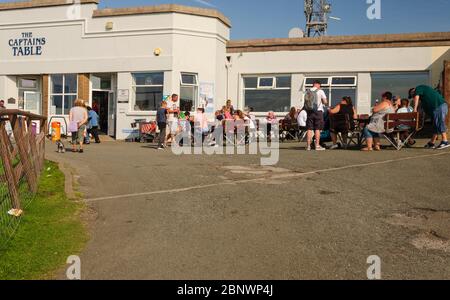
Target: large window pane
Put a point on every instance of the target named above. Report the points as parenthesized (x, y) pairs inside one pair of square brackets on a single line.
[(68, 103), (284, 82), (397, 83), (57, 84), (57, 103), (148, 98), (188, 97), (149, 78), (338, 93), (268, 100), (70, 84)]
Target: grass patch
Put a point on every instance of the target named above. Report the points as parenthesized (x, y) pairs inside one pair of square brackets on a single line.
[(50, 231)]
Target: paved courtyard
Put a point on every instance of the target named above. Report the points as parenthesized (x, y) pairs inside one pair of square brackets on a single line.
[(155, 215)]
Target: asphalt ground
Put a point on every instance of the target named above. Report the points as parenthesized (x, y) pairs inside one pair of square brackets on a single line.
[(314, 215)]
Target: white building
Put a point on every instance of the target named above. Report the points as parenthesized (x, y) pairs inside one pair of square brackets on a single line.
[(125, 61)]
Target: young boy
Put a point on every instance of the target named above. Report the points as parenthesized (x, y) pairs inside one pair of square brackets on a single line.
[(405, 108)]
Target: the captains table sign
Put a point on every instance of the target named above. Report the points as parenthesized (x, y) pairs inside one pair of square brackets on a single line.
[(27, 45)]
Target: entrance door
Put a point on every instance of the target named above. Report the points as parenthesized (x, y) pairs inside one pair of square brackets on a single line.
[(32, 102), (112, 115), (100, 104)]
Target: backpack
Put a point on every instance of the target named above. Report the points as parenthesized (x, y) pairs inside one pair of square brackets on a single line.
[(312, 100)]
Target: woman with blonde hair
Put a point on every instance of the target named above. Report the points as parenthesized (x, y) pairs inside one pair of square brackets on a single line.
[(78, 118)]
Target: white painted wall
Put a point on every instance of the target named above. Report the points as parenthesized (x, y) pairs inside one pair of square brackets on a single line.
[(327, 62), (8, 89), (81, 44)]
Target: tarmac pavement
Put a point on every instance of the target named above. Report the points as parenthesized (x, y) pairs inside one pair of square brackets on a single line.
[(314, 215)]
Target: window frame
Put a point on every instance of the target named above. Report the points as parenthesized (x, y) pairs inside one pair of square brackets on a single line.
[(63, 94), (195, 86), (134, 86), (263, 88), (330, 86), (260, 87), (189, 74)]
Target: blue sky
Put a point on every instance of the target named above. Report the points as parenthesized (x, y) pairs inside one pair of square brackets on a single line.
[(269, 19)]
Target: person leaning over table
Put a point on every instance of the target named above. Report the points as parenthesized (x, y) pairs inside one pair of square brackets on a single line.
[(376, 126), (436, 107)]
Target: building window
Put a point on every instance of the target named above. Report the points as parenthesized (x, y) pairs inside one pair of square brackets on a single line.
[(64, 92), (398, 84), (189, 92), (268, 93), (335, 87), (148, 91)]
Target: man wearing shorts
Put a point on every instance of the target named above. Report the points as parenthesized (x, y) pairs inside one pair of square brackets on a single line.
[(173, 109), (436, 107), (315, 120)]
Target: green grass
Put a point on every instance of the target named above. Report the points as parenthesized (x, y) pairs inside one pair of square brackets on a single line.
[(51, 230)]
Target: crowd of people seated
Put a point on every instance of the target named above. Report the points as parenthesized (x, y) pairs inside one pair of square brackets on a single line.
[(321, 124)]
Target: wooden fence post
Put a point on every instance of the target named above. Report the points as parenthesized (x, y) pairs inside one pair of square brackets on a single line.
[(8, 166), (32, 140), (21, 138)]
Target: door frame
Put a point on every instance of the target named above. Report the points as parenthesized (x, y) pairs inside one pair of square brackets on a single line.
[(37, 90), (112, 116)]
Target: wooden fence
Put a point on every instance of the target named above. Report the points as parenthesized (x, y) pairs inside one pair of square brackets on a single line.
[(22, 149)]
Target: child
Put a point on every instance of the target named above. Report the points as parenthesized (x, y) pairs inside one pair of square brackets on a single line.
[(184, 125), (92, 126), (201, 124), (404, 109), (271, 120)]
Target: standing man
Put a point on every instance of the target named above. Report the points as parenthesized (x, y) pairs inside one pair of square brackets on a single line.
[(436, 107), (173, 110), (2, 104), (161, 119), (315, 99)]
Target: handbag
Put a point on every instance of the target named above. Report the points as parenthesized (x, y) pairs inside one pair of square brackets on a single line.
[(73, 126)]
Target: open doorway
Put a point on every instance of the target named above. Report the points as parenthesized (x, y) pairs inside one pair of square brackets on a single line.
[(100, 104), (103, 102)]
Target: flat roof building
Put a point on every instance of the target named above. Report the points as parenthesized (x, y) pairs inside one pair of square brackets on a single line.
[(124, 61)]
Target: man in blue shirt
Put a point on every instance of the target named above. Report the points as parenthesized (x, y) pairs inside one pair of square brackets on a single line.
[(93, 125)]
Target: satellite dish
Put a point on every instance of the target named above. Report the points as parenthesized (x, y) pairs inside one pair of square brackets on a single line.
[(296, 33)]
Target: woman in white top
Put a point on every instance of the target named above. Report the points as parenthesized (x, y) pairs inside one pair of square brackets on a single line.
[(78, 118)]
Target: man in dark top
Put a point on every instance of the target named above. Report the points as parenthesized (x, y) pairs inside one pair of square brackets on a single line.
[(436, 107), (161, 119)]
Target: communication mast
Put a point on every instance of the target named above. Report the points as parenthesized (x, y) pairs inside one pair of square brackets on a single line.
[(316, 12)]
